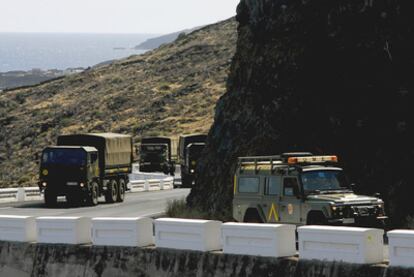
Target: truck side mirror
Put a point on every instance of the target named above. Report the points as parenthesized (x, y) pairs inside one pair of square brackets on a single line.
[(353, 186), (377, 195)]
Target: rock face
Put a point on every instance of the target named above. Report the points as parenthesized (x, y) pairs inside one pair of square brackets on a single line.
[(326, 76), (24, 260)]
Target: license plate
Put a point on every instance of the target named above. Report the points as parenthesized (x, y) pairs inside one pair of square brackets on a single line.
[(72, 183), (348, 220)]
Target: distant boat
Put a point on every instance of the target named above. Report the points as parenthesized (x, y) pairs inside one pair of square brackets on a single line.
[(119, 48)]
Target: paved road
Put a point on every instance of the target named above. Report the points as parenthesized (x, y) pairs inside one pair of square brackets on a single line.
[(135, 204)]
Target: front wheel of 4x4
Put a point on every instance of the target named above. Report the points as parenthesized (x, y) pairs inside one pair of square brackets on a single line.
[(252, 216), (316, 218)]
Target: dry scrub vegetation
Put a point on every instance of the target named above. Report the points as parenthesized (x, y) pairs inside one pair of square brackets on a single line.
[(168, 91)]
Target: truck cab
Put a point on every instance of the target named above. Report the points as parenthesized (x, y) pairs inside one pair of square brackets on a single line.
[(301, 188), (155, 155), (190, 148), (154, 158), (68, 171), (193, 153)]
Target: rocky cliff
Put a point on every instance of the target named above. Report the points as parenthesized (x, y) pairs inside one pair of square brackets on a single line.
[(327, 76)]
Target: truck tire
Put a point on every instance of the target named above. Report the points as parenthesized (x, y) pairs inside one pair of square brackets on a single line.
[(93, 194), (50, 199), (112, 192), (121, 191)]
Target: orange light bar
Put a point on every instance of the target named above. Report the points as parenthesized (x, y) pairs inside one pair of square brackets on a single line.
[(312, 159)]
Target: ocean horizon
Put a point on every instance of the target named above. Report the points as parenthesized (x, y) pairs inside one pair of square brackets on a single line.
[(45, 51)]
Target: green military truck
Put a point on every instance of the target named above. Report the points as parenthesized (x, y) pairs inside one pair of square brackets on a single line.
[(300, 188), (155, 155), (84, 167), (190, 148)]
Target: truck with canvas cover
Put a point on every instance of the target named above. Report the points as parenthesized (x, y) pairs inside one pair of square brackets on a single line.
[(190, 148), (155, 155), (83, 167)]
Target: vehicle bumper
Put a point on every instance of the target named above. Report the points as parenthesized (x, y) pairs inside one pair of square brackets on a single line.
[(369, 221), (63, 189)]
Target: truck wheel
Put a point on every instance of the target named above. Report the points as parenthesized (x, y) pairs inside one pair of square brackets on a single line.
[(50, 199), (112, 193), (121, 191), (93, 195)]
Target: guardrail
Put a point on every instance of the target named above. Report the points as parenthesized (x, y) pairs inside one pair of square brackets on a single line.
[(18, 194), (31, 193), (337, 244)]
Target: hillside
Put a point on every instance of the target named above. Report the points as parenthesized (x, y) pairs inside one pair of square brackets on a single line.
[(156, 42), (320, 76), (167, 91)]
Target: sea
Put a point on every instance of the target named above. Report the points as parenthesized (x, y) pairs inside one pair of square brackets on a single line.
[(27, 51)]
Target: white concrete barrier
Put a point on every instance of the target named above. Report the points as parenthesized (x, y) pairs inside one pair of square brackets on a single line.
[(347, 244), (199, 235), (271, 240), (136, 232), (66, 230), (17, 228), (146, 185), (401, 248)]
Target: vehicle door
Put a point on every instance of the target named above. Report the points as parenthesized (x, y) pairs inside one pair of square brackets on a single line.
[(271, 198), (290, 201), (248, 194)]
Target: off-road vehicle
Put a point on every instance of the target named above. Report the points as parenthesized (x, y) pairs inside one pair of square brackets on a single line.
[(300, 188)]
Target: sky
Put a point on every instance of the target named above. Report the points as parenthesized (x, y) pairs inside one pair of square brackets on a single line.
[(111, 16)]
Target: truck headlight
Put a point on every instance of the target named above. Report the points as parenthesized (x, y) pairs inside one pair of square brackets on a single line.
[(81, 185), (192, 170), (44, 184)]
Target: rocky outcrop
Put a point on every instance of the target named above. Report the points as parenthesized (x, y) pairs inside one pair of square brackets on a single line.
[(327, 76)]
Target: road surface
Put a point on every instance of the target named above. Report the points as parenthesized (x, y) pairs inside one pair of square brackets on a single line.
[(135, 204)]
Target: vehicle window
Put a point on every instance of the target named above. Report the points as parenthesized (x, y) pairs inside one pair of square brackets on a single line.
[(64, 157), (290, 187), (273, 186), (322, 180), (249, 184)]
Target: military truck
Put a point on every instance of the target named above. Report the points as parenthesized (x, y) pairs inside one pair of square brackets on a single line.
[(301, 189), (83, 167), (155, 155), (190, 148)]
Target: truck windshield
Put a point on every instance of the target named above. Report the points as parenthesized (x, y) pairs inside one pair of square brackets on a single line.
[(153, 148), (323, 180), (64, 157)]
